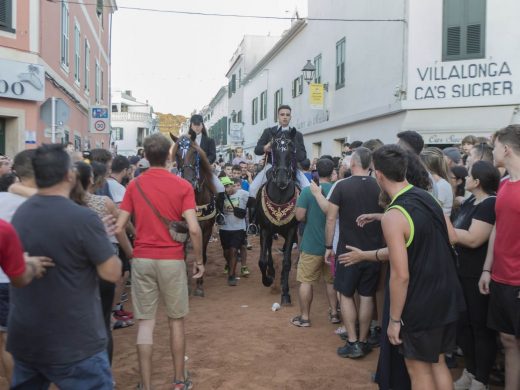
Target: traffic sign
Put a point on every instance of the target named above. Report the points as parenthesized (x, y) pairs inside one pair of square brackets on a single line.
[(99, 120), (99, 126)]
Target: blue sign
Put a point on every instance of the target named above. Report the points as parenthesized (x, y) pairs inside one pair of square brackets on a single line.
[(100, 113)]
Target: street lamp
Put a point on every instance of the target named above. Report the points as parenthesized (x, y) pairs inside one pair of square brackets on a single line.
[(308, 71)]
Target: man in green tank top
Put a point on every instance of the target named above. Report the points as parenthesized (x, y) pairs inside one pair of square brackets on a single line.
[(425, 295)]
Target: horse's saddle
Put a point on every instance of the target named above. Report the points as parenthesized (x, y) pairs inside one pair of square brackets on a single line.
[(206, 211)]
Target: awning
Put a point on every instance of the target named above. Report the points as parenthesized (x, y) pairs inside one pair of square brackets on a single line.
[(450, 125)]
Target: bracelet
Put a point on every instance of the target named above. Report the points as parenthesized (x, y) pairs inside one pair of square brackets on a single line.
[(395, 321), (486, 270), (377, 257), (328, 246)]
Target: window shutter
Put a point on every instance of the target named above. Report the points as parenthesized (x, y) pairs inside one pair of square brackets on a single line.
[(300, 86), (5, 13), (476, 20), (453, 24)]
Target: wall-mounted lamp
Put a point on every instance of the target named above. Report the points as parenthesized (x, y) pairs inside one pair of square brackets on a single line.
[(309, 70)]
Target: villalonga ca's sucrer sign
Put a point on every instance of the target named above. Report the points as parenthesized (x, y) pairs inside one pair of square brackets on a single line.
[(464, 80)]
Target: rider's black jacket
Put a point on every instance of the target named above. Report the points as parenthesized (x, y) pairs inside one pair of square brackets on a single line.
[(269, 133)]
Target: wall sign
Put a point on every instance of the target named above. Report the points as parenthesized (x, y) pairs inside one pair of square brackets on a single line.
[(463, 80), (21, 80)]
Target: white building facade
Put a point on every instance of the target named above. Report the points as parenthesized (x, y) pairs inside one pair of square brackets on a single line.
[(131, 121), (445, 68)]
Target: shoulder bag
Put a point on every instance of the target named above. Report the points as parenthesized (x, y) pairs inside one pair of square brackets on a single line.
[(178, 229)]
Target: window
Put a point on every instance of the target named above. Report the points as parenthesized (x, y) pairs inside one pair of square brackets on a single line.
[(66, 137), (464, 25), (140, 136), (87, 67), (232, 87), (263, 105), (6, 15), (65, 35), (114, 108), (239, 78), (77, 142), (77, 51), (239, 117), (97, 93), (340, 64), (118, 133), (254, 111), (297, 86), (317, 65), (278, 100)]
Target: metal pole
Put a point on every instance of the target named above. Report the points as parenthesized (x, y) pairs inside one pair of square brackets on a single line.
[(53, 120)]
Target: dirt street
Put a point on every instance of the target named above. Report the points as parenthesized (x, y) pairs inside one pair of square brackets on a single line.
[(235, 341)]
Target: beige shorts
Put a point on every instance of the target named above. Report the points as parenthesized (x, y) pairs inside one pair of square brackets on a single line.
[(167, 278), (311, 268)]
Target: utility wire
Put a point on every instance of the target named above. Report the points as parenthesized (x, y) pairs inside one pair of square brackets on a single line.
[(196, 13)]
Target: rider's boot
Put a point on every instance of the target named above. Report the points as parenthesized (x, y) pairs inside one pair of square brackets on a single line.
[(220, 209), (251, 206)]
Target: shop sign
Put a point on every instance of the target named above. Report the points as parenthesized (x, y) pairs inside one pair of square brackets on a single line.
[(463, 80), (21, 80)]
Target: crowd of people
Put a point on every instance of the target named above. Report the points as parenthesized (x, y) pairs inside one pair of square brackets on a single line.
[(435, 227)]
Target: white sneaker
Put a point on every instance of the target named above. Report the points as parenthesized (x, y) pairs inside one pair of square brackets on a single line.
[(464, 382), (476, 385)]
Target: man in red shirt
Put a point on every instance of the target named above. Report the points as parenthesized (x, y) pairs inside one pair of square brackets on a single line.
[(20, 272), (159, 267), (501, 273)]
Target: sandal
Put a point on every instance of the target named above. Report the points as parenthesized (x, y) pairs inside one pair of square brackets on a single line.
[(334, 318), (300, 322), (119, 324), (182, 385)]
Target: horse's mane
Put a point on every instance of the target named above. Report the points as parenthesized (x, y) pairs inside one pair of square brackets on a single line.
[(205, 167)]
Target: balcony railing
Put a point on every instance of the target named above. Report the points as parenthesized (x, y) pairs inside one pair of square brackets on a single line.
[(131, 116)]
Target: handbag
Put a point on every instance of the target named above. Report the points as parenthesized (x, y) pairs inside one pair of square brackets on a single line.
[(178, 230), (237, 212)]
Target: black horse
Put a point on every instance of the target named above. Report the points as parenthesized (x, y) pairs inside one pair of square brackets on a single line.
[(193, 166), (276, 207)]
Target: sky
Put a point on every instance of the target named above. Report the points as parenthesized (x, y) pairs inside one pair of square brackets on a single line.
[(178, 62)]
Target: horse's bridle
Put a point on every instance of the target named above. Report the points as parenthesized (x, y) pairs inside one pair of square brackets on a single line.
[(283, 144), (184, 147)]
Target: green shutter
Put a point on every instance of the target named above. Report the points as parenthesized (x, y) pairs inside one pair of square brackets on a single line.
[(464, 24), (5, 14)]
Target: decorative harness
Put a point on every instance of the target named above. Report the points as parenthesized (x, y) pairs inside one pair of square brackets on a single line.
[(280, 214), (205, 211)]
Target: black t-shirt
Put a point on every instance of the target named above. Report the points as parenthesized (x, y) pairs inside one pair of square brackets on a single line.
[(434, 296), (354, 196), (57, 319), (471, 260)]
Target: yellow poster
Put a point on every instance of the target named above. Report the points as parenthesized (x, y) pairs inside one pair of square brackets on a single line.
[(316, 96)]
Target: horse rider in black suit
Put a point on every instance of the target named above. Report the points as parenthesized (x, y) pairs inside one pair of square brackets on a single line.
[(264, 146)]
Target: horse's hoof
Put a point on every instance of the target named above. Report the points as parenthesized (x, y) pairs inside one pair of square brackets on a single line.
[(198, 293), (286, 300), (267, 281)]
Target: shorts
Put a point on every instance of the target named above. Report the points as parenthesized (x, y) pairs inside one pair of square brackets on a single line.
[(311, 268), (232, 238), (504, 308), (427, 345), (4, 306), (362, 277), (167, 278)]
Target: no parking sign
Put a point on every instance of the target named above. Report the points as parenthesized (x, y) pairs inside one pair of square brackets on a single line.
[(99, 120)]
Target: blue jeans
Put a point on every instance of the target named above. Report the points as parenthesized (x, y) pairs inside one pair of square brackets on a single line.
[(92, 373)]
